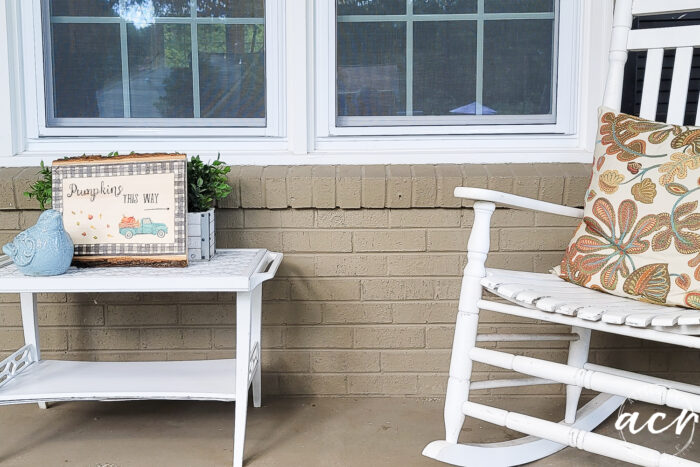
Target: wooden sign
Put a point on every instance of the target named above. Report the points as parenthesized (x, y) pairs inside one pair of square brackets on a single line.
[(124, 210)]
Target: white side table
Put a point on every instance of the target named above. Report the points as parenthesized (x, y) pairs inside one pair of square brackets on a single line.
[(25, 377)]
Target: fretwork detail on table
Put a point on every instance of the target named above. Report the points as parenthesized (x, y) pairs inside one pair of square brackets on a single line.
[(15, 363)]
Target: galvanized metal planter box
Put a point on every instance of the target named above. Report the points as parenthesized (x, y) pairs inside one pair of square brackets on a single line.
[(201, 235)]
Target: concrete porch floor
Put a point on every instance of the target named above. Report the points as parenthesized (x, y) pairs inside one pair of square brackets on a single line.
[(309, 432)]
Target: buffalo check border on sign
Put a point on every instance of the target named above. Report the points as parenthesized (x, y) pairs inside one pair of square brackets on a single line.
[(159, 254)]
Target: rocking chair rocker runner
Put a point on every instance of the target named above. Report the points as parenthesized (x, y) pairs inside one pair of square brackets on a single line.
[(548, 298)]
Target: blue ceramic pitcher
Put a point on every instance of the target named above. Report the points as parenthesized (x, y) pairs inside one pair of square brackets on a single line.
[(44, 249)]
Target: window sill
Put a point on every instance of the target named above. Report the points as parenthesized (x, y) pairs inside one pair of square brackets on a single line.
[(418, 149), (349, 157)]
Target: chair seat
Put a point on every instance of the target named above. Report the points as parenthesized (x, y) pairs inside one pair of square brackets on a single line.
[(547, 292)]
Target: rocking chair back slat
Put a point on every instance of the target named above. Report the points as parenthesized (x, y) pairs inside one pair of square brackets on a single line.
[(652, 82), (679, 85), (655, 7), (664, 38)]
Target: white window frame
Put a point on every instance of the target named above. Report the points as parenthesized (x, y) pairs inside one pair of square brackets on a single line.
[(48, 122), (567, 13), (31, 16), (32, 29), (304, 92)]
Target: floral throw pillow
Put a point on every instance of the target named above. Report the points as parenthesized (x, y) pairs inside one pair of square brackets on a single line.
[(640, 235)]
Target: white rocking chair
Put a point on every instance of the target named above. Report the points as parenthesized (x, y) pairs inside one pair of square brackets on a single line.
[(545, 297)]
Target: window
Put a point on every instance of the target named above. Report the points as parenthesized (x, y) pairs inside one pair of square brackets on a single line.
[(445, 61), (154, 63), (424, 67), (300, 82)]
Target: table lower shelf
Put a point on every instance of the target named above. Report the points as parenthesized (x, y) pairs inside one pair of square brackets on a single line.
[(57, 380)]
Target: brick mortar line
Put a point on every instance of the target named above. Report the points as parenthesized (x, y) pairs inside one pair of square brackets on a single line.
[(119, 306), (436, 397), (417, 300), (389, 277), (359, 229), (461, 254), (215, 326)]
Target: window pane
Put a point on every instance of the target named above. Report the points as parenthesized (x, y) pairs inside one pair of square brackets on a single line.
[(160, 71), (444, 67), (518, 66), (371, 68), (422, 7), (371, 7), (232, 71), (431, 62), (159, 7), (142, 66), (82, 91), (521, 6), (131, 10), (231, 9), (84, 7)]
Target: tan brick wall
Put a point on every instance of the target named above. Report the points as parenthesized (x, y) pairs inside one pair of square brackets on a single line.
[(365, 301)]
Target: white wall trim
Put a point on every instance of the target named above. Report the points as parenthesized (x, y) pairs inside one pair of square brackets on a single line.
[(7, 136), (12, 117), (296, 95), (268, 158), (32, 31), (598, 18)]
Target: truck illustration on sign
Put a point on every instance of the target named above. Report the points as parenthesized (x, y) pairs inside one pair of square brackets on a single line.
[(129, 227)]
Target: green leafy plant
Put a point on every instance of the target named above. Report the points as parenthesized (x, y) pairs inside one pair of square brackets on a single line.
[(207, 183), (41, 189)]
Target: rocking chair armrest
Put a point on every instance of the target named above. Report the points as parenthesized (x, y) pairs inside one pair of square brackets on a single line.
[(518, 202)]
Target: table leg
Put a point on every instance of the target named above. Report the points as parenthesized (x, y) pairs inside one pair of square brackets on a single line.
[(31, 327), (244, 312), (256, 342)]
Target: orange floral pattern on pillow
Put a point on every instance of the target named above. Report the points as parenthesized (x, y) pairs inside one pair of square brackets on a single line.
[(640, 235)]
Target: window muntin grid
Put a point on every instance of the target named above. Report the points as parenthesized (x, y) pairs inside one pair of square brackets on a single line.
[(192, 16), (408, 15)]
